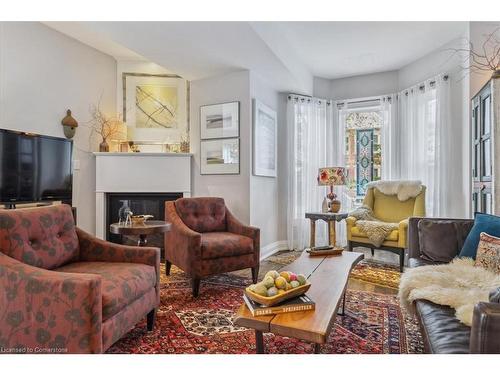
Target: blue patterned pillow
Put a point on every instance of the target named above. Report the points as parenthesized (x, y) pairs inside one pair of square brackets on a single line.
[(489, 224)]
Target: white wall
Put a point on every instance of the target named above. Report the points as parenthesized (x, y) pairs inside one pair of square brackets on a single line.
[(264, 191), (43, 73), (235, 189), (356, 87)]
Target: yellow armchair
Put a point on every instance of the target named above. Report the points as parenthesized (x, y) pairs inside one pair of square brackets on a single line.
[(390, 209)]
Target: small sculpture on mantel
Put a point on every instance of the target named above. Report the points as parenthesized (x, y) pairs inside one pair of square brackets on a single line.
[(69, 125)]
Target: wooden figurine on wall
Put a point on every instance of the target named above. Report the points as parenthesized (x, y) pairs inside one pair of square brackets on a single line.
[(69, 125)]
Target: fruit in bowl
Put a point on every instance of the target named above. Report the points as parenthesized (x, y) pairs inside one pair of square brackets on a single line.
[(277, 286)]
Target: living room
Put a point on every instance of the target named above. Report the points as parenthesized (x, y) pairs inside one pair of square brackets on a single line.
[(257, 186)]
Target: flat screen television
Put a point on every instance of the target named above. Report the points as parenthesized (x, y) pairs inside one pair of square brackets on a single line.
[(34, 168)]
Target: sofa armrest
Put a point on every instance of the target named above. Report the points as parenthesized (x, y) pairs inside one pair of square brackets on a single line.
[(237, 227), (48, 311), (403, 233), (485, 330), (182, 244), (93, 249), (350, 223)]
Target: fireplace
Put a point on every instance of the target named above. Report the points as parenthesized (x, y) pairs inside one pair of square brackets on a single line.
[(140, 204), (146, 179)]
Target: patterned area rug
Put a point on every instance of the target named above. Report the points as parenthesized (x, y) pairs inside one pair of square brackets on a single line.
[(373, 323), (378, 273)]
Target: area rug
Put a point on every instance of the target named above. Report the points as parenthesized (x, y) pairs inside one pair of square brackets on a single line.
[(377, 273), (373, 323)]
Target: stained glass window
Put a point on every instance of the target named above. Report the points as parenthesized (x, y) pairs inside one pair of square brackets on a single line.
[(363, 150)]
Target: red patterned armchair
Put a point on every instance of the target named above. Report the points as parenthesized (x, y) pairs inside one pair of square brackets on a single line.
[(65, 291), (206, 239)]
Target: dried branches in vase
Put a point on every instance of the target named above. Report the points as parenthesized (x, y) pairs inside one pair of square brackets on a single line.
[(487, 57), (106, 127)]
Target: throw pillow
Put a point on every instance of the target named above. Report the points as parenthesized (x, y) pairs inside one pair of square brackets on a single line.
[(482, 223), (438, 240), (488, 253)]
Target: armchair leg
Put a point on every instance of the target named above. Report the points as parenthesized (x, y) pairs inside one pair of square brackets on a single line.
[(255, 274), (373, 251), (349, 245), (168, 266), (151, 318), (402, 261), (195, 282)]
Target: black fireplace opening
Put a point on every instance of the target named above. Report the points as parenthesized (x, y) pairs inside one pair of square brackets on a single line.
[(140, 204)]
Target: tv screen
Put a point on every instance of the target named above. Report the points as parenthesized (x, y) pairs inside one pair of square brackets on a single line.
[(34, 168)]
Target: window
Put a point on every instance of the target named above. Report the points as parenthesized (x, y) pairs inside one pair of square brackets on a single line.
[(363, 150)]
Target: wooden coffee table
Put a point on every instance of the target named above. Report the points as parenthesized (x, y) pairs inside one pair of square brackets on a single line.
[(141, 230), (328, 276)]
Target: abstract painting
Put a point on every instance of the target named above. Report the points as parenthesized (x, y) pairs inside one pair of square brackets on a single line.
[(155, 107), (220, 156), (264, 140), (220, 120)]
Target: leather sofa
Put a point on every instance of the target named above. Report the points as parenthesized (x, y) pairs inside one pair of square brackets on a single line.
[(65, 291), (442, 332), (206, 239)]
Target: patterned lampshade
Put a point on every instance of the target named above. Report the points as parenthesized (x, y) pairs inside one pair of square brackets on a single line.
[(332, 176)]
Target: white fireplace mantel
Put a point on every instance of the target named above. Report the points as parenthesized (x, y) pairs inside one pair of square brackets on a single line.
[(120, 172)]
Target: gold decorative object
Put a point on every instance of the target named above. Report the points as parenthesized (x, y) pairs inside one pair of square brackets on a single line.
[(184, 145), (69, 125), (332, 176)]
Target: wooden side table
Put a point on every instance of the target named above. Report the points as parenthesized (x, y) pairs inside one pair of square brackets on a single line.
[(330, 218), (141, 230)]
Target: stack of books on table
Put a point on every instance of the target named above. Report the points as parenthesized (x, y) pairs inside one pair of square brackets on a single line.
[(301, 303)]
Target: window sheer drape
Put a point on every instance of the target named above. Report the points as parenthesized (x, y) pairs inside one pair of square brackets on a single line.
[(314, 140), (415, 142), (425, 136)]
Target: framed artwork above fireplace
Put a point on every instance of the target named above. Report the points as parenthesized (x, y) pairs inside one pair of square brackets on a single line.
[(156, 107)]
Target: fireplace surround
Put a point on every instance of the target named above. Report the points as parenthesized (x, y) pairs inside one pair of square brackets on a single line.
[(145, 177)]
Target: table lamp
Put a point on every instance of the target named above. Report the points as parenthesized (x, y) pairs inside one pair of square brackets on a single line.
[(332, 176)]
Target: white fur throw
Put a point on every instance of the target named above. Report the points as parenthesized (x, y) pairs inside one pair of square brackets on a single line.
[(457, 284), (403, 189)]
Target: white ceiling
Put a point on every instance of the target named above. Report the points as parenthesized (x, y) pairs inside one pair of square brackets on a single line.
[(287, 54), (342, 49)]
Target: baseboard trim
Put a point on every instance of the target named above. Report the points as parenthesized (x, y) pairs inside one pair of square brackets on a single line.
[(272, 248)]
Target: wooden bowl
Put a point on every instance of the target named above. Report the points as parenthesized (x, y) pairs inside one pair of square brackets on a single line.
[(271, 301)]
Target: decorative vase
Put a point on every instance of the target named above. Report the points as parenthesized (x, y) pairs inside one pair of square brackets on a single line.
[(325, 206), (123, 213), (335, 206), (103, 146)]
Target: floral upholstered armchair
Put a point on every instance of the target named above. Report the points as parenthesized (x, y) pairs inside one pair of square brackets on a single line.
[(206, 239), (63, 290)]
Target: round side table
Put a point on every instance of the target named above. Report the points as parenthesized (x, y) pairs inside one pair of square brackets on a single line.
[(141, 230)]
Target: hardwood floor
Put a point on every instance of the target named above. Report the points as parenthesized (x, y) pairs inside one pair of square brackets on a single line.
[(283, 258)]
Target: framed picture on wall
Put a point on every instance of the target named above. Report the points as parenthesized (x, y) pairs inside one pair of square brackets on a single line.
[(265, 140), (156, 107), (220, 120), (220, 156)]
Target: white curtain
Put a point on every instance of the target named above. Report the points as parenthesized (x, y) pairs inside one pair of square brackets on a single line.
[(389, 137), (314, 140), (425, 138)]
